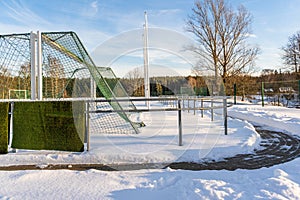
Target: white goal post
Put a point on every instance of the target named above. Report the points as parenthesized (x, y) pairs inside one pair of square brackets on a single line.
[(17, 94)]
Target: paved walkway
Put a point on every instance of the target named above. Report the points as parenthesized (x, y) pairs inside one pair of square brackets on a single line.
[(275, 148)]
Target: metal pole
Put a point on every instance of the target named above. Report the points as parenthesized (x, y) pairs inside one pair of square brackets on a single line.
[(299, 90), (188, 99), (225, 115), (87, 126), (93, 88), (212, 110), (33, 65), (262, 94), (194, 106), (234, 93), (179, 122), (39, 66), (146, 61), (202, 111), (11, 126), (11, 113)]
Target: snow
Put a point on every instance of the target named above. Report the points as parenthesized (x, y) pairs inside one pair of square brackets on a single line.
[(206, 140), (272, 117)]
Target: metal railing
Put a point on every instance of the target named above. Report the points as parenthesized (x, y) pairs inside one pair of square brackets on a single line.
[(175, 104)]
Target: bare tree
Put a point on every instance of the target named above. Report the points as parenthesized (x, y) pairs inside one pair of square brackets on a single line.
[(221, 33), (56, 75), (24, 75), (291, 55), (134, 87), (5, 81)]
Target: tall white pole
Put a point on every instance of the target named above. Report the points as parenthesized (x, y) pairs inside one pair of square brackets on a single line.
[(33, 65), (146, 61), (39, 66)]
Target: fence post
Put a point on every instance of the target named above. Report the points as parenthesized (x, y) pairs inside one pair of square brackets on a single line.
[(225, 115), (212, 110), (262, 94), (179, 122), (194, 105), (188, 99), (299, 90), (202, 108), (87, 125), (234, 93)]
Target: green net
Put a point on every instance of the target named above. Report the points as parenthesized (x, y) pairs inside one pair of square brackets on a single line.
[(67, 71), (14, 64)]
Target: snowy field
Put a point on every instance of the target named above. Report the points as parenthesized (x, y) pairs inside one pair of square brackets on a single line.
[(158, 143)]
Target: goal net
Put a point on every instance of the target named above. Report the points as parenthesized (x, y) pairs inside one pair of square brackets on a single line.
[(67, 72)]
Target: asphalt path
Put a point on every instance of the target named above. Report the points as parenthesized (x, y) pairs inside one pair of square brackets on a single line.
[(275, 148)]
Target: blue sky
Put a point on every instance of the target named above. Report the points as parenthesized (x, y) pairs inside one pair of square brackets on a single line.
[(95, 21)]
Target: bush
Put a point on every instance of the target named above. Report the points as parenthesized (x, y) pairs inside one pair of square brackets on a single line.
[(49, 126), (4, 127)]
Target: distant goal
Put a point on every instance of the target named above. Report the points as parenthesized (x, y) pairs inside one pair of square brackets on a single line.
[(17, 94)]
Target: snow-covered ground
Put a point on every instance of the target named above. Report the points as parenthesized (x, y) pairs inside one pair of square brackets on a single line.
[(202, 139)]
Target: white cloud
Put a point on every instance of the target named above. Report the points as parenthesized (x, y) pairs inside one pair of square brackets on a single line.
[(9, 29), (166, 48), (91, 10), (22, 14), (251, 35), (94, 5), (167, 12)]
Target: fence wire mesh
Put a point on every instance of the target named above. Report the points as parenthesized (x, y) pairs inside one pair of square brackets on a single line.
[(283, 93), (67, 71)]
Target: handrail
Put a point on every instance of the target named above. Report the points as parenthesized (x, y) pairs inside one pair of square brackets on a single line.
[(179, 100)]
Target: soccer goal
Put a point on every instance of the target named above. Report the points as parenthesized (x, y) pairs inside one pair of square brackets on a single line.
[(18, 94), (56, 65)]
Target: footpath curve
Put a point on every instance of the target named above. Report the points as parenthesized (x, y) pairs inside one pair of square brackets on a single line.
[(275, 148)]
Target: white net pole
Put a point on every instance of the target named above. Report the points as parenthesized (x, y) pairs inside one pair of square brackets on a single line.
[(33, 65), (39, 66)]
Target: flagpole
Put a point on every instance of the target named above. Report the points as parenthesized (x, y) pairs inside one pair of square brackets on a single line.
[(146, 61)]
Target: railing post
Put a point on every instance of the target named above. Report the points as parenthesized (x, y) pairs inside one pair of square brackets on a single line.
[(194, 105), (179, 122), (298, 90), (225, 115), (234, 93), (202, 108), (262, 94), (212, 110), (188, 98), (87, 125)]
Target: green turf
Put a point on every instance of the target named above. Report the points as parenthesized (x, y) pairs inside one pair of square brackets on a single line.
[(3, 127), (49, 126)]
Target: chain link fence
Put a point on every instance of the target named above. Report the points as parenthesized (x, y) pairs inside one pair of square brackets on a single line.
[(279, 93)]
